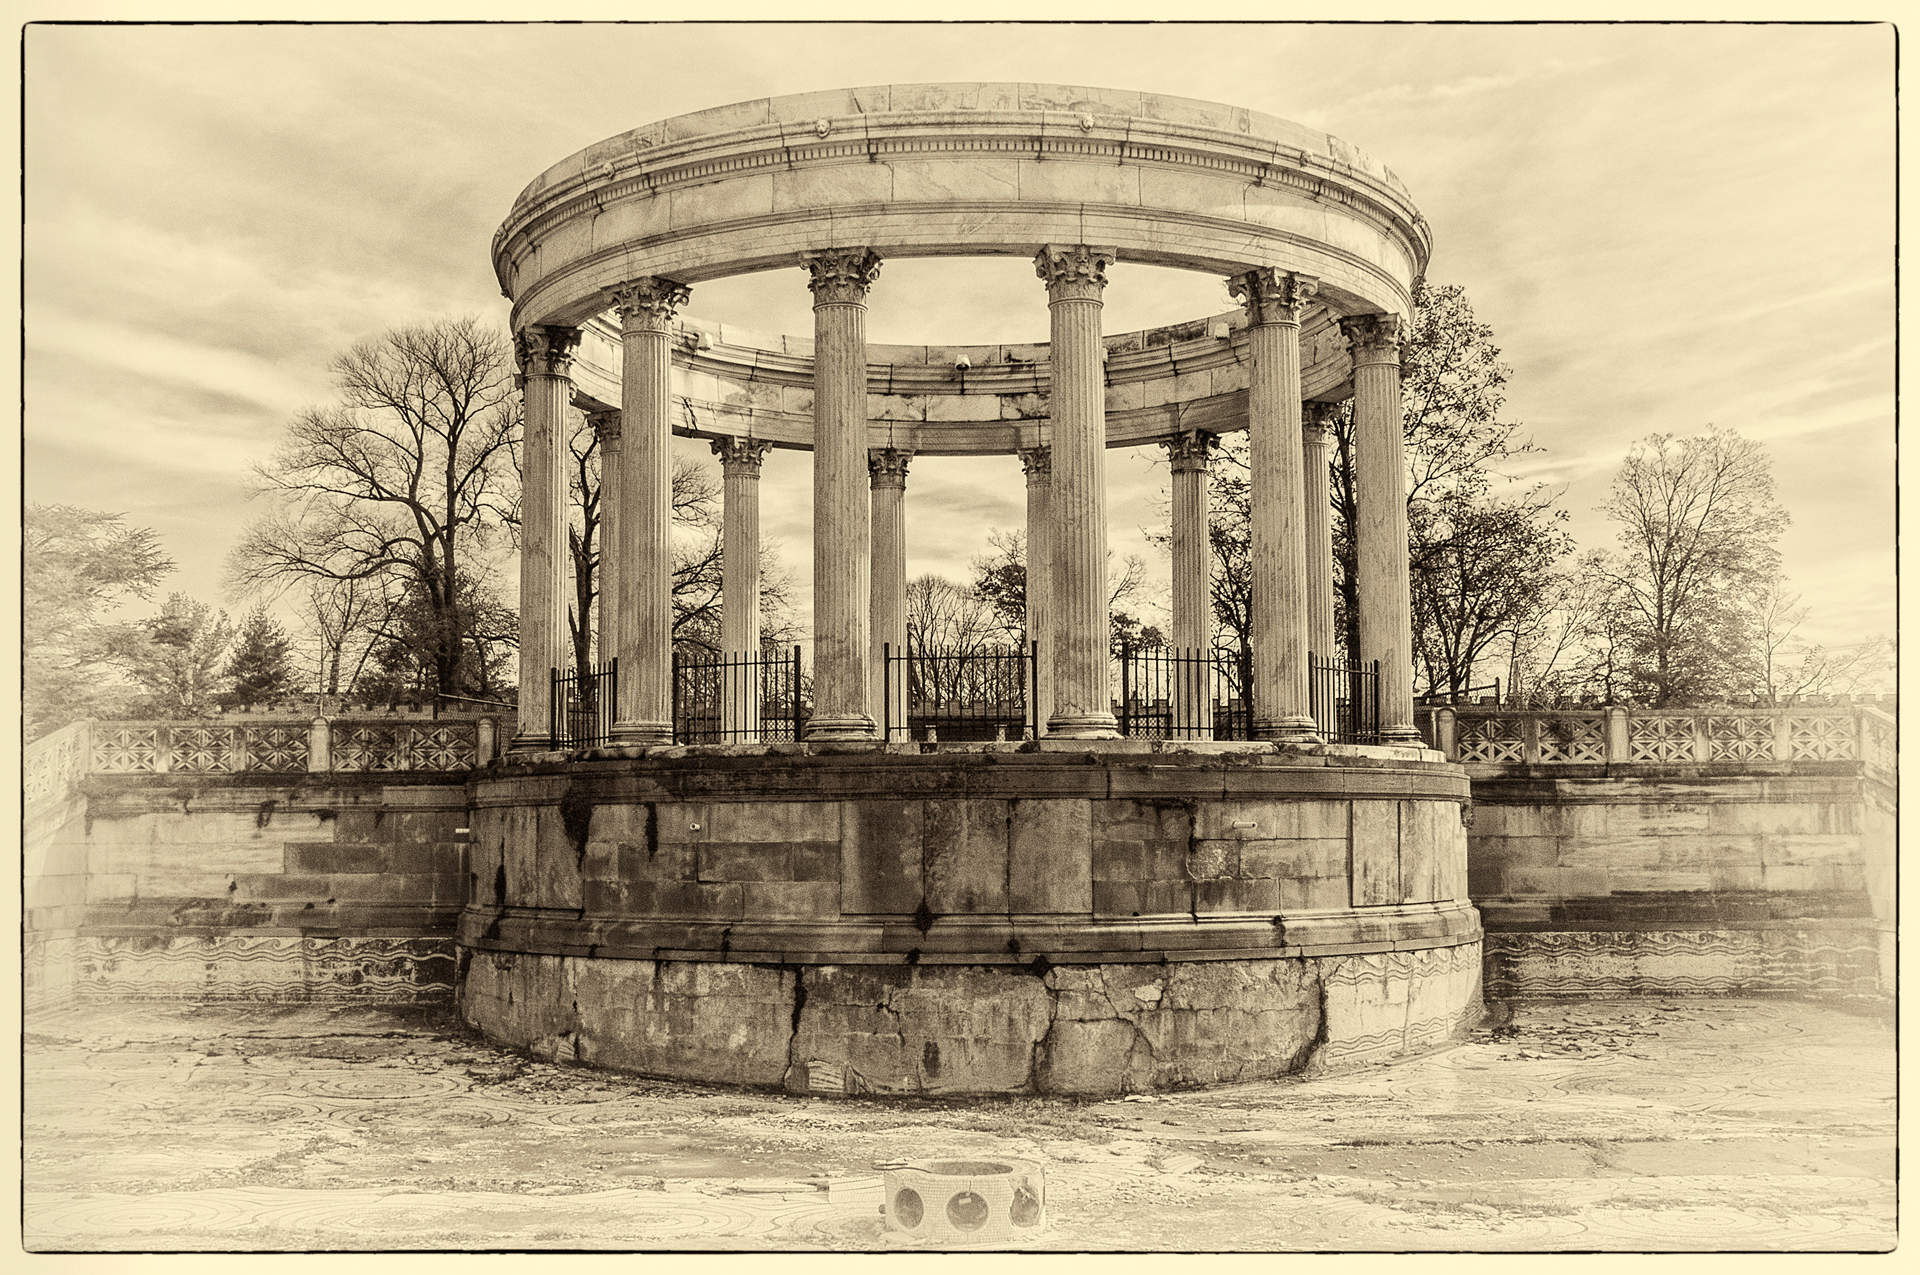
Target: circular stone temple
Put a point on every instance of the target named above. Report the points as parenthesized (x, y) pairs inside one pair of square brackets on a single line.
[(844, 909)]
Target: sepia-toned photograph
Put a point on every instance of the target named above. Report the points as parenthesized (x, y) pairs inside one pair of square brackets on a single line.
[(1061, 637)]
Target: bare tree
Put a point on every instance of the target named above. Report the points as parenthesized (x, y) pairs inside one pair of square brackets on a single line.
[(402, 479), (1698, 525)]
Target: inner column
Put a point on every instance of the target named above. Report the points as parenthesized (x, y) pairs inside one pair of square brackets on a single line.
[(740, 460), (1038, 464), (606, 435), (888, 469), (545, 355), (1316, 432), (1192, 596), (1386, 614), (839, 279), (1275, 300), (646, 307), (1076, 275)]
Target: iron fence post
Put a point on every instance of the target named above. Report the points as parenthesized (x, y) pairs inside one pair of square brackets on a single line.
[(1033, 687), (553, 707), (886, 692), (796, 692)]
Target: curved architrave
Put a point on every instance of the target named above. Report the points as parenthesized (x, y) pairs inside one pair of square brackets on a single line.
[(959, 170), (1160, 382)]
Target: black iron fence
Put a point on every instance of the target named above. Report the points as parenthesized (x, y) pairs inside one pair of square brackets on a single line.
[(1344, 698), (982, 694), (737, 698), (1178, 692), (581, 705)]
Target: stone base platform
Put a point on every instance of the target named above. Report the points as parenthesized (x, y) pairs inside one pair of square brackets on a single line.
[(847, 920)]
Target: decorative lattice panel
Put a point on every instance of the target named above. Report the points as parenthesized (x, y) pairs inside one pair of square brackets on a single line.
[(444, 747), (120, 749), (52, 764), (1488, 739), (369, 748), (1660, 738), (1824, 738), (276, 749), (1573, 739), (1878, 742), (1740, 738), (202, 750)]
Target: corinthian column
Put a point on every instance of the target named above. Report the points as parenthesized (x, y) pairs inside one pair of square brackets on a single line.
[(1082, 695), (606, 433), (545, 355), (1192, 598), (1275, 301), (740, 582), (645, 711), (1380, 494), (839, 279), (1038, 462), (888, 468), (1316, 434)]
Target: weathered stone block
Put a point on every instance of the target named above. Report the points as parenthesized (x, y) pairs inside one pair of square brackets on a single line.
[(1210, 860), (881, 867), (734, 861), (1237, 894), (775, 821), (1118, 898), (661, 861), (1050, 856), (966, 856), (792, 900), (335, 856), (1317, 857), (679, 821), (817, 861), (1376, 853), (1310, 894)]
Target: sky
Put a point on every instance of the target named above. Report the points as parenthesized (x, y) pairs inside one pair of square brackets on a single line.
[(1666, 226)]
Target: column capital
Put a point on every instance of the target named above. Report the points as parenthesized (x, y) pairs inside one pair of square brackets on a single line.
[(1317, 419), (1073, 272), (1188, 452), (740, 456), (648, 304), (1374, 338), (841, 276), (606, 428), (545, 350), (1271, 295), (1038, 464), (887, 467)]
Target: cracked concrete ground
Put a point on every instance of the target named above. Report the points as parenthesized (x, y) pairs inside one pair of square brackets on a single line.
[(1639, 1125)]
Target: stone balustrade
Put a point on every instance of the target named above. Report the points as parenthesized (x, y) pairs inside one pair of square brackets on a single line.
[(1584, 738), (53, 764), (322, 745)]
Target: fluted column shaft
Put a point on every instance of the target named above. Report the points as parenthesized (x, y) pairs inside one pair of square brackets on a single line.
[(841, 594), (606, 433), (1038, 463), (1082, 693), (1275, 301), (888, 470), (1316, 435), (546, 363), (740, 460), (1192, 594), (645, 712), (1380, 494)]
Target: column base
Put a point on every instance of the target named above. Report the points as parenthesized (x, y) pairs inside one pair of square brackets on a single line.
[(1401, 735), (1297, 729), (1083, 726), (642, 732), (846, 726), (526, 743)]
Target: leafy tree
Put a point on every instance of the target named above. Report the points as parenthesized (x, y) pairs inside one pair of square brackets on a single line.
[(344, 621), (403, 478), (402, 657), (1775, 666), (1698, 527), (1481, 577), (260, 667), (76, 565), (175, 658)]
